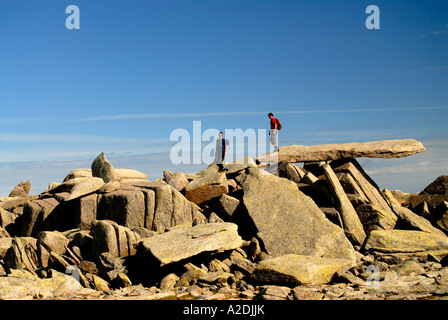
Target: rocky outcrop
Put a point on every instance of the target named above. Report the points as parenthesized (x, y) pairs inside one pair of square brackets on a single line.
[(254, 231)]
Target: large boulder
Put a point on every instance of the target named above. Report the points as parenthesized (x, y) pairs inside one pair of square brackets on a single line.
[(50, 243), (291, 172), (374, 218), (85, 211), (163, 210), (108, 236), (104, 238), (434, 194), (178, 181), (438, 186), (167, 207), (35, 214), (126, 207), (21, 190), (53, 241), (288, 221), (207, 187), (300, 270), (226, 206), (102, 168), (185, 242), (22, 254)]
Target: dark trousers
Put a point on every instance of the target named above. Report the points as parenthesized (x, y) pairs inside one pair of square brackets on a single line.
[(220, 163)]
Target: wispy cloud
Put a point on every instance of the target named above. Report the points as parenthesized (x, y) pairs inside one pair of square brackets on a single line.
[(24, 147), (53, 138), (131, 116), (165, 115), (430, 69), (296, 110), (439, 32)]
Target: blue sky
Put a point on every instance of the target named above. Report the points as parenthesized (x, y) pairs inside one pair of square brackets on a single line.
[(137, 70)]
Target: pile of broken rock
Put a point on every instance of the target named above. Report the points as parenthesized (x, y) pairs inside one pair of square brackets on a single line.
[(321, 231)]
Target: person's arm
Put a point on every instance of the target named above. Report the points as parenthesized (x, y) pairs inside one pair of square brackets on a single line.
[(275, 126)]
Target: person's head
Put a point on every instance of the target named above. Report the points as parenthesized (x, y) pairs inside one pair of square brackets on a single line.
[(220, 135), (270, 115)]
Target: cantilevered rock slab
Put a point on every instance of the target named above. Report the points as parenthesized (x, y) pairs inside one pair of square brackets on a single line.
[(185, 242), (373, 149)]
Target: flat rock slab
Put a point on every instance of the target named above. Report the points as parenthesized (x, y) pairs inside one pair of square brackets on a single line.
[(407, 241), (185, 242), (85, 187), (300, 270), (373, 149), (350, 220)]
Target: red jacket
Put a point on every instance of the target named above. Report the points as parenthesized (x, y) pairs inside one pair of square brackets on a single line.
[(274, 122)]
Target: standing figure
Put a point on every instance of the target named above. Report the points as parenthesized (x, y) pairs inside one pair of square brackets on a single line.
[(222, 146), (275, 126)]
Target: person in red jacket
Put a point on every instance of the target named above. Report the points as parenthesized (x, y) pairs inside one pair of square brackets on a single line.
[(273, 131)]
